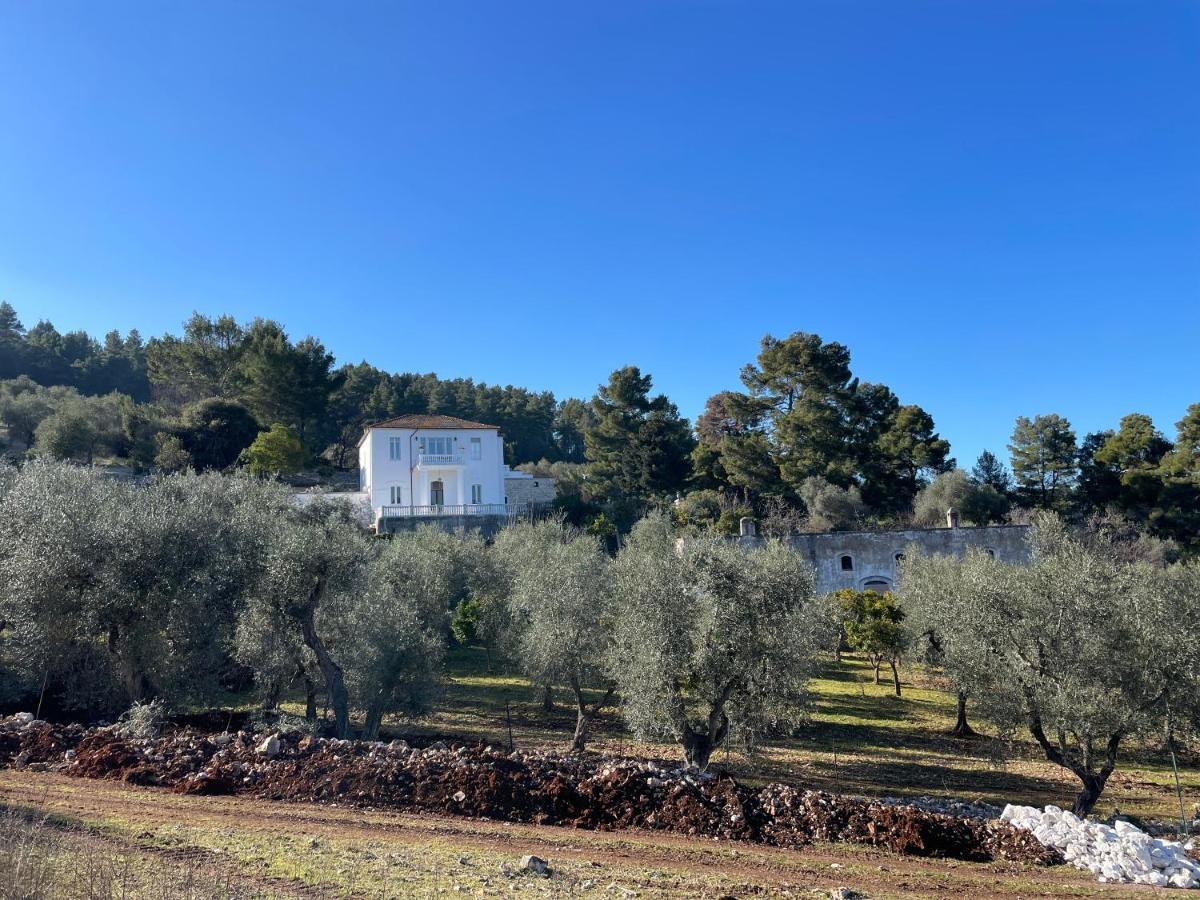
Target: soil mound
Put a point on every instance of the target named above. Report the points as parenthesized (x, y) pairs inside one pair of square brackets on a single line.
[(538, 787)]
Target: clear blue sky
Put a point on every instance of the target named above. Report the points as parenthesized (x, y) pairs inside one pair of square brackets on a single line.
[(996, 205)]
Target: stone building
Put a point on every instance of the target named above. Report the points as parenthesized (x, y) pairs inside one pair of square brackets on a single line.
[(868, 560)]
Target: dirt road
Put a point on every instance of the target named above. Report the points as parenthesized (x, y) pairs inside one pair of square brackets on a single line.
[(308, 850)]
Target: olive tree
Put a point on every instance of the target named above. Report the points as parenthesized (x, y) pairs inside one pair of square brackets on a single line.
[(1081, 648), (399, 621), (712, 641), (315, 568), (116, 592), (557, 611)]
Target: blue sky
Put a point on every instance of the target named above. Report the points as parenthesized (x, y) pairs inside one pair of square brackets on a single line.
[(995, 205)]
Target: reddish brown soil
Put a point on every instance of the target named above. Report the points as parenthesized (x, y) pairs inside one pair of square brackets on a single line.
[(539, 788)]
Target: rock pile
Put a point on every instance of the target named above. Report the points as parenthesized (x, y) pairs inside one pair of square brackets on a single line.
[(1120, 853), (537, 787)]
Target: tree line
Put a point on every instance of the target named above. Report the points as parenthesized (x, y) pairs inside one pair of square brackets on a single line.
[(233, 380), (805, 445)]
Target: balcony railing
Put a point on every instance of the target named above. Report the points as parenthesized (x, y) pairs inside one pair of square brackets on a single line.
[(463, 509), (439, 459)]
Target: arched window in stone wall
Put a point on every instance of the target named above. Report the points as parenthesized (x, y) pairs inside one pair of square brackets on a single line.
[(990, 552), (878, 585), (847, 563), (899, 557)]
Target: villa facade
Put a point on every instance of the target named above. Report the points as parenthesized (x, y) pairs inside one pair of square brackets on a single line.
[(441, 467)]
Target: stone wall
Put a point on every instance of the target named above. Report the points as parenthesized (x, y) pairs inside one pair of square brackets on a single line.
[(488, 526), (534, 491), (873, 555)]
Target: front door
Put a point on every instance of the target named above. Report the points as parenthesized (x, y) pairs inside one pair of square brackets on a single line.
[(437, 494)]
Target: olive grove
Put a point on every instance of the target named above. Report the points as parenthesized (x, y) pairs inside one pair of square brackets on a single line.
[(1084, 648), (189, 586)]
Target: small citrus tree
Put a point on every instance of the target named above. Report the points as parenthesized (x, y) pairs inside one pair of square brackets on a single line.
[(277, 451), (873, 626)]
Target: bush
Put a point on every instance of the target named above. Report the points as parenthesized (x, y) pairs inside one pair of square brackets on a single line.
[(143, 721), (277, 451)]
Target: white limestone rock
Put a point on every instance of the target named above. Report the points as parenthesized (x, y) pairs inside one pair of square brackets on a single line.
[(1120, 854)]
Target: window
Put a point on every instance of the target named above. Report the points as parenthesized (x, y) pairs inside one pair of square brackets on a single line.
[(878, 585), (395, 447), (477, 493), (396, 495), (476, 448), (847, 564), (438, 446), (991, 553), (899, 557), (437, 493)]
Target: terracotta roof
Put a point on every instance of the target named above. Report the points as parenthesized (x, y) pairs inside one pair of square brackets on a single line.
[(427, 421)]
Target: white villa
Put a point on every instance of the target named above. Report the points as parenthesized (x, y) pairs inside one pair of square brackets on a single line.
[(440, 466)]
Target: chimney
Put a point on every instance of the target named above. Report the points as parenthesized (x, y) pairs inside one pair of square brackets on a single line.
[(746, 527), (952, 518)]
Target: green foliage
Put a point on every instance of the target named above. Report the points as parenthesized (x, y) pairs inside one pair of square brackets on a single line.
[(830, 507), (286, 383), (557, 610), (873, 625), (988, 471), (116, 592), (1086, 647), (81, 428), (169, 455), (276, 451), (214, 432), (464, 624), (712, 641), (978, 504), (805, 416), (639, 447), (730, 522), (1044, 461)]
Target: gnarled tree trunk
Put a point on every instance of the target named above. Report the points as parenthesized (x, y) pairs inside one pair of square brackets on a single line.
[(895, 675), (1091, 779), (335, 681), (585, 715)]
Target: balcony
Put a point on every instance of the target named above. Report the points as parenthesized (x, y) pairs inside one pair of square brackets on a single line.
[(439, 460), (511, 510)]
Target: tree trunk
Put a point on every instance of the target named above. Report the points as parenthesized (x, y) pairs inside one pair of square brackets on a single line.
[(547, 698), (374, 720), (132, 678), (271, 696), (310, 699), (877, 663), (335, 682), (1093, 786), (895, 676), (585, 715), (1092, 782), (698, 746), (961, 728)]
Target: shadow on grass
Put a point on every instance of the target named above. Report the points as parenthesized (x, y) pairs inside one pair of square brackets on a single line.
[(905, 778)]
